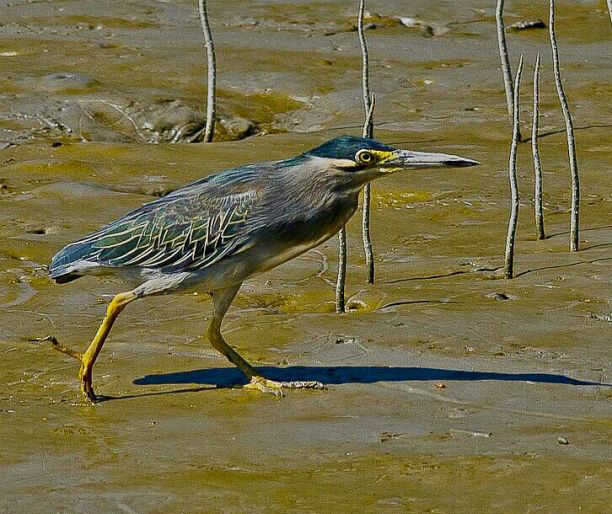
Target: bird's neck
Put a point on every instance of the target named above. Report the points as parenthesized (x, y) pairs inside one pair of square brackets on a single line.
[(313, 202)]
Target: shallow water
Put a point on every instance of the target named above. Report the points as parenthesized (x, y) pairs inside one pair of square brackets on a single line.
[(448, 386)]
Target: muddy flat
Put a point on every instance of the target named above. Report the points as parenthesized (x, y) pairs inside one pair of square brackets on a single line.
[(449, 388)]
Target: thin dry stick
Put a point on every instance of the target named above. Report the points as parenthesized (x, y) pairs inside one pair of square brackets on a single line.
[(569, 129), (537, 166), (505, 61), (367, 194), (368, 131), (212, 73), (509, 258), (341, 280)]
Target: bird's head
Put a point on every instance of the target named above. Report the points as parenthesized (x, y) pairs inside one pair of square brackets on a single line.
[(361, 160)]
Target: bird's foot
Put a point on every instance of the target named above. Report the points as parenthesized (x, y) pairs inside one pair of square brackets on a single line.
[(86, 385), (84, 371), (265, 385)]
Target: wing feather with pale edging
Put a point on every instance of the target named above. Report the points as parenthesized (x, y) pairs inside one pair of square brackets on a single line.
[(185, 233)]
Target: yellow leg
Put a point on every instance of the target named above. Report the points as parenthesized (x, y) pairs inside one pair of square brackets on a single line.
[(88, 358), (221, 302)]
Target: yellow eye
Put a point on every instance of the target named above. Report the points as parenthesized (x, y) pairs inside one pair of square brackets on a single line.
[(365, 157)]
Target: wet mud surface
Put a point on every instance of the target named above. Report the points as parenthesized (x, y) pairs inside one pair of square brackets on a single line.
[(450, 389)]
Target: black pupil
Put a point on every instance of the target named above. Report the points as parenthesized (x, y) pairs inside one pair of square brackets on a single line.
[(366, 156)]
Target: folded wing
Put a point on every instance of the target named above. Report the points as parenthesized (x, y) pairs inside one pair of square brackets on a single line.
[(175, 233)]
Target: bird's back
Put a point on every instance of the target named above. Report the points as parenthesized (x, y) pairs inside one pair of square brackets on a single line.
[(265, 214), (190, 228)]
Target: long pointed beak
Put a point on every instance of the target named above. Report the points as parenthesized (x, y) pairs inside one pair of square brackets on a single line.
[(405, 159)]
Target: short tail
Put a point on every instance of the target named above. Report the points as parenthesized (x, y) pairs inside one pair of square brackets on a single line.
[(72, 262)]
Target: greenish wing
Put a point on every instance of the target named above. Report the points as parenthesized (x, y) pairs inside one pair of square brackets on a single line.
[(183, 234)]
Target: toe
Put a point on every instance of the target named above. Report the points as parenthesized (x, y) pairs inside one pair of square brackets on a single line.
[(304, 384), (87, 390), (264, 385)]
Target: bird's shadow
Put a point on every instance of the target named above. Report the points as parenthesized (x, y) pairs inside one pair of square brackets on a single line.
[(333, 375)]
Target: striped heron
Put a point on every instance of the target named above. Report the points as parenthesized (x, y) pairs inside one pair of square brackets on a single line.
[(213, 234)]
